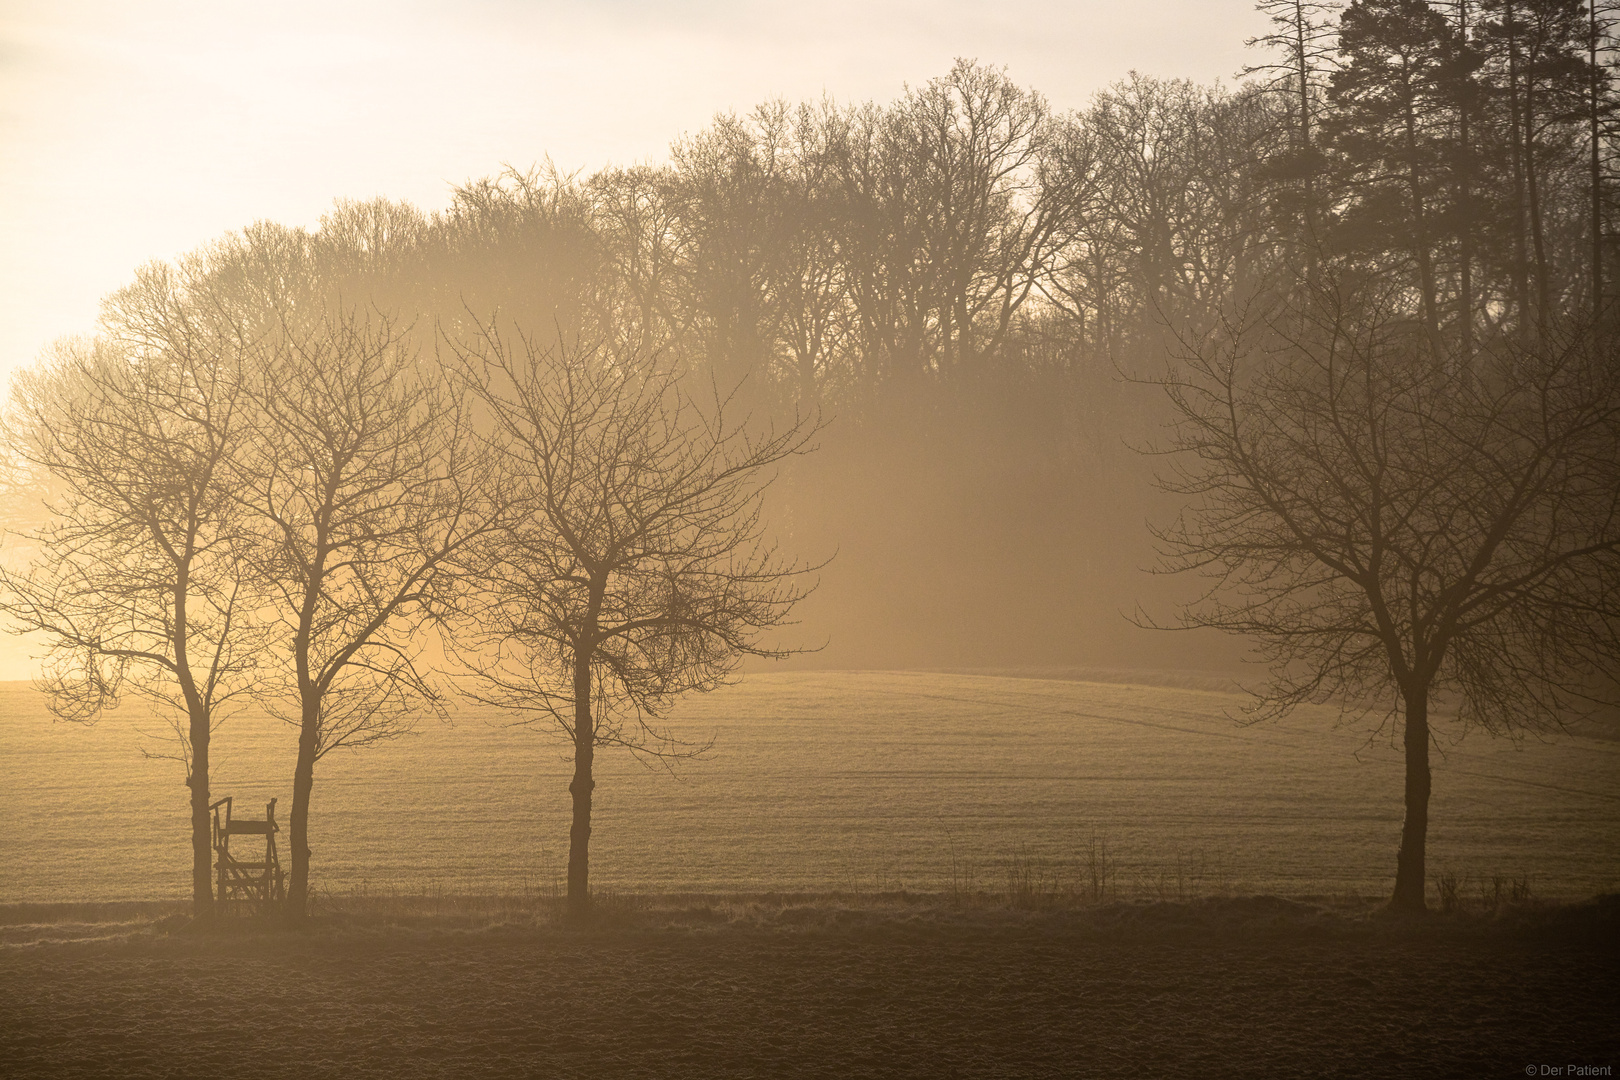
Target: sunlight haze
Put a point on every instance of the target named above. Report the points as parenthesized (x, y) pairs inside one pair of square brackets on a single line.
[(860, 538), (137, 132)]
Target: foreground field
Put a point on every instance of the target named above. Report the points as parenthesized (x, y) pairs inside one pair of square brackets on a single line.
[(856, 781), (784, 987)]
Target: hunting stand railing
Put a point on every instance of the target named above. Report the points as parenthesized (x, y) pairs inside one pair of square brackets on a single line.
[(248, 886)]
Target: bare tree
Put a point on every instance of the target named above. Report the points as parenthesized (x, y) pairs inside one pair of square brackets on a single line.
[(138, 585), (636, 569), (365, 492), (1166, 217), (758, 287), (735, 224), (948, 226), (1402, 535), (637, 218)]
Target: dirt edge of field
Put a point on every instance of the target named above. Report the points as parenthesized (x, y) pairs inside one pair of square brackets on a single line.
[(424, 918)]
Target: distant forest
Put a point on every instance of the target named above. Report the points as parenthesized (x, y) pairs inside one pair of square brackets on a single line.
[(964, 281)]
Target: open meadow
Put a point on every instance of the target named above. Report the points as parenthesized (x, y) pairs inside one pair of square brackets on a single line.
[(875, 874), (859, 782), (810, 986)]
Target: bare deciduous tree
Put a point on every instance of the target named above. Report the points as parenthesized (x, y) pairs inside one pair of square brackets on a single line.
[(636, 569), (138, 586), (947, 225), (1400, 534), (364, 488)]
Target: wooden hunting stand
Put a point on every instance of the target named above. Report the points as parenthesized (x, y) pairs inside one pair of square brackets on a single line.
[(247, 888)]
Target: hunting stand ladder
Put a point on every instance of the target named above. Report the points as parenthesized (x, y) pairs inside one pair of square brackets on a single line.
[(247, 886)]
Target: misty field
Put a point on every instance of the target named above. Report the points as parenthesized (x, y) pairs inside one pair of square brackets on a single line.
[(855, 782)]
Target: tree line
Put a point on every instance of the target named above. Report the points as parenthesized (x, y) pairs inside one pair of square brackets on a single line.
[(259, 489), (1464, 149), (1376, 281)]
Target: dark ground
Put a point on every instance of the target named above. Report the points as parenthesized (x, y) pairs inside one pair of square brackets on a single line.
[(784, 988)]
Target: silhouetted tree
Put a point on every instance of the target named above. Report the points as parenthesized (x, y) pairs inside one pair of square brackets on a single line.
[(635, 569), (813, 284), (948, 227), (635, 217), (1390, 125), (733, 223), (1394, 530), (523, 244), (1165, 217), (1304, 33), (1462, 92), (139, 584), (364, 490), (1539, 89)]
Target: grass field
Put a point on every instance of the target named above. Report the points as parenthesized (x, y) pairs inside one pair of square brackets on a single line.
[(860, 782)]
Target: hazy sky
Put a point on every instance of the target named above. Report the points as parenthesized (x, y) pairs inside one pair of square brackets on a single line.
[(134, 131)]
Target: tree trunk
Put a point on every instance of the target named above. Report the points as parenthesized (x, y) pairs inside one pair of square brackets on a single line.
[(202, 849), (199, 728), (1409, 870), (1465, 304), (808, 392), (1308, 185), (1426, 285), (1596, 136), (1465, 173), (298, 822), (1537, 230), (1521, 254), (964, 327), (1420, 234), (579, 835), (310, 692)]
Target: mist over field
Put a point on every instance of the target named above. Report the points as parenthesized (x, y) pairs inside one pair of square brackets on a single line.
[(645, 540), (860, 782)]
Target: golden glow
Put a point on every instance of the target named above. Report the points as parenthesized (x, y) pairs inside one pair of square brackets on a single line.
[(134, 132), (138, 131)]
